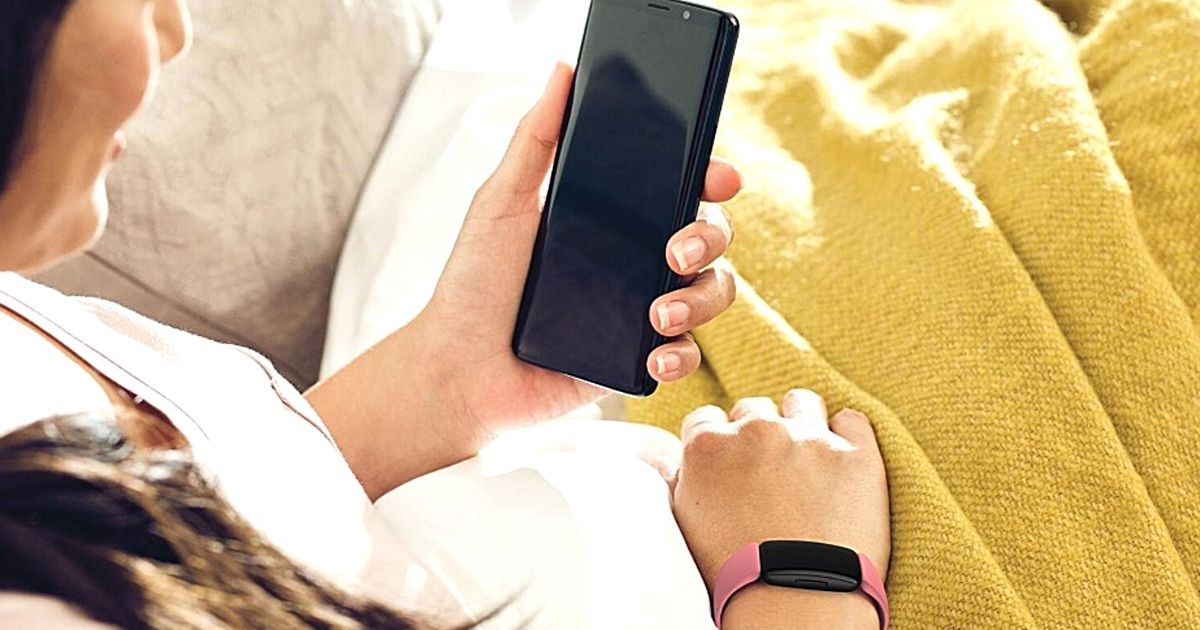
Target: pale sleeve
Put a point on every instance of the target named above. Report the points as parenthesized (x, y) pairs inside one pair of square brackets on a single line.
[(561, 525)]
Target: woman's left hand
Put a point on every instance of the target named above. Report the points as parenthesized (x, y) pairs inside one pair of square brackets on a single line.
[(434, 392), (471, 317)]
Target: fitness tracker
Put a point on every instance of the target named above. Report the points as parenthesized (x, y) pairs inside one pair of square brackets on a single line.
[(798, 564)]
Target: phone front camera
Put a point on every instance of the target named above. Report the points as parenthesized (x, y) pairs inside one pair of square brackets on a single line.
[(687, 15)]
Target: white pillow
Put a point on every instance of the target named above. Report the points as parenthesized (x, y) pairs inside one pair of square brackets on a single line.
[(487, 65), (230, 208)]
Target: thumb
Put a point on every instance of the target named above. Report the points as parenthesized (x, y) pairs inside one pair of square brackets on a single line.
[(531, 151)]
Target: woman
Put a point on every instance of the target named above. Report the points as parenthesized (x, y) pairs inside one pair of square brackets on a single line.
[(104, 412)]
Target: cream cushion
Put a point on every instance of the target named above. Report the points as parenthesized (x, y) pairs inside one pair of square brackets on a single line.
[(230, 208)]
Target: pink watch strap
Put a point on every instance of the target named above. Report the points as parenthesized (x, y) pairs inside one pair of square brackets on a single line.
[(744, 568), (872, 587)]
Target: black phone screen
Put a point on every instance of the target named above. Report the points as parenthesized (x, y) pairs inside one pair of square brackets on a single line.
[(617, 193)]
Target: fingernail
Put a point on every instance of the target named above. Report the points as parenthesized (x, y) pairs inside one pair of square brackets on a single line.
[(714, 214), (672, 314), (668, 362), (689, 252)]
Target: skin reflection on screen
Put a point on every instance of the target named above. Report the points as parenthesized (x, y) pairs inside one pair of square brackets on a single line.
[(612, 214)]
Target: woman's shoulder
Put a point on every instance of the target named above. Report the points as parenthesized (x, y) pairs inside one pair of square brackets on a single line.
[(38, 381), (174, 371), (90, 317)]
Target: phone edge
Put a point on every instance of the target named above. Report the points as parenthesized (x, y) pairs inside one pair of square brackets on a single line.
[(719, 74)]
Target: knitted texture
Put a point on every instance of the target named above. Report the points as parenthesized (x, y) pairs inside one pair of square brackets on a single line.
[(978, 222)]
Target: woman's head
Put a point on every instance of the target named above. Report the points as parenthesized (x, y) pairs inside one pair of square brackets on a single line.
[(73, 73)]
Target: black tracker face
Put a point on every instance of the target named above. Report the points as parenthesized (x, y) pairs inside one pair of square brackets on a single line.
[(629, 172), (810, 565)]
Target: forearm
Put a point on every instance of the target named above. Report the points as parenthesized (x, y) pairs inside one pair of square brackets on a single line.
[(392, 416), (762, 607)]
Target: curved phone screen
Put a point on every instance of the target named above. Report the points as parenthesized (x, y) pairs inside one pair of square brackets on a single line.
[(617, 190)]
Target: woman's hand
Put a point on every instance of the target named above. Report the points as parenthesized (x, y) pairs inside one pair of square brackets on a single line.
[(471, 317), (795, 475), (434, 392)]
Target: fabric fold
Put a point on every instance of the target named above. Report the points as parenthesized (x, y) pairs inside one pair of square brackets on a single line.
[(938, 230)]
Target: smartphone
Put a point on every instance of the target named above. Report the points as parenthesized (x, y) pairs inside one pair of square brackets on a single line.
[(629, 173)]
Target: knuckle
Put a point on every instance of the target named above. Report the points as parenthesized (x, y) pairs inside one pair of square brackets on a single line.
[(527, 131), (826, 455), (753, 407), (814, 446), (706, 413), (850, 420), (702, 446), (800, 395), (855, 415), (763, 429)]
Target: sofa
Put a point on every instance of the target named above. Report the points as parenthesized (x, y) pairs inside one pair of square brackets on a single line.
[(231, 206)]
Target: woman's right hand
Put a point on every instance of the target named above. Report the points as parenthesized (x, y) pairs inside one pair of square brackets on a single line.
[(765, 475)]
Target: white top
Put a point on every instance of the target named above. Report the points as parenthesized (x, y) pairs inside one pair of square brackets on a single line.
[(264, 444), (563, 526)]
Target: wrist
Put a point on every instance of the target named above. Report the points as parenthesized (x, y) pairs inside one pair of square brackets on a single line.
[(765, 607), (444, 379), (434, 386), (391, 412), (796, 565)]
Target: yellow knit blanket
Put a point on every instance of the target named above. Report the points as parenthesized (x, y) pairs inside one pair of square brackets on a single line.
[(979, 222)]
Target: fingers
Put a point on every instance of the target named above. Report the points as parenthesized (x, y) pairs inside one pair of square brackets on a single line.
[(855, 428), (761, 407), (806, 406), (848, 430), (531, 151), (715, 214), (674, 360), (701, 243), (722, 182), (705, 418), (709, 295)]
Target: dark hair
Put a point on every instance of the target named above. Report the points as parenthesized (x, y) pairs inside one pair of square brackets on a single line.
[(139, 538), (26, 29)]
